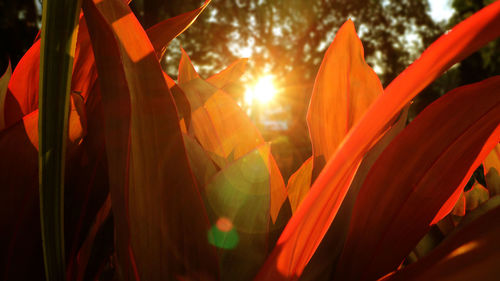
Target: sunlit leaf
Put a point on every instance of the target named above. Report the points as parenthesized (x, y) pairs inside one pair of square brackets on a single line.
[(345, 87), (309, 224), (231, 74), (324, 260), (186, 69), (299, 184), (225, 131), (163, 32), (167, 222), (460, 128)]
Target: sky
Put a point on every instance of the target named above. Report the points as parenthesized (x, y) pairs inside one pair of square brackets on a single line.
[(441, 9)]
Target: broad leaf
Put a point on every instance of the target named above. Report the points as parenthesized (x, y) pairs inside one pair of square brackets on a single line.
[(323, 263), (309, 224), (168, 226), (224, 130), (434, 157), (345, 87)]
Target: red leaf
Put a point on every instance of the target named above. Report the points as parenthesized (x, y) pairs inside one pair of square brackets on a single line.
[(86, 248), (168, 226), (307, 227), (471, 253), (417, 173)]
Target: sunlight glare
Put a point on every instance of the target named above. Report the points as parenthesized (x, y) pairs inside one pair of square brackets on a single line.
[(263, 91)]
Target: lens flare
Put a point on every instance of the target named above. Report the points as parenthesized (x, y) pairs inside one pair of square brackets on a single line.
[(223, 235)]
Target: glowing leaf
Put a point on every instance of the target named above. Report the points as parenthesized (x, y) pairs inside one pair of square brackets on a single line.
[(186, 69), (226, 132), (345, 87), (322, 264), (309, 224), (229, 75), (163, 32), (299, 184), (459, 128)]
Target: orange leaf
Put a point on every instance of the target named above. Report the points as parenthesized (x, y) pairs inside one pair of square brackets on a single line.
[(161, 211), (309, 224), (299, 184), (325, 258), (413, 178), (163, 32), (231, 74), (224, 130), (345, 87), (186, 69)]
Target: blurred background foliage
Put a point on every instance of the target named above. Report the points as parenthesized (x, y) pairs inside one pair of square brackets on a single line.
[(287, 39)]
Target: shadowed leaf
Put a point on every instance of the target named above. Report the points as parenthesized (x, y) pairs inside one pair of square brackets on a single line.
[(472, 253), (57, 49), (168, 224), (4, 82), (491, 170)]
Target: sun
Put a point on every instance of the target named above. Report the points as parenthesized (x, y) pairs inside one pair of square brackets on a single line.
[(262, 92)]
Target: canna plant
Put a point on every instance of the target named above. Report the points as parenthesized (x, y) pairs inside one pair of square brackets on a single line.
[(166, 180)]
